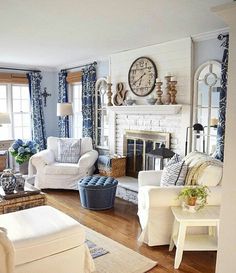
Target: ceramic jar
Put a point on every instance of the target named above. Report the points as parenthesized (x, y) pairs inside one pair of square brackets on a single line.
[(8, 181), (20, 182)]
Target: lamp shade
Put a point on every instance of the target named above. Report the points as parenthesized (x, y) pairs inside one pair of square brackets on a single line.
[(64, 109), (198, 127), (4, 118)]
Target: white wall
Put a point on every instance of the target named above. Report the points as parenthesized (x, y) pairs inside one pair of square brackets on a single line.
[(227, 241), (173, 57)]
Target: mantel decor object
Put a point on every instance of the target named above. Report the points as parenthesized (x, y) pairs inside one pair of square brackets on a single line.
[(173, 91), (142, 76), (120, 96), (159, 92), (109, 92), (167, 89)]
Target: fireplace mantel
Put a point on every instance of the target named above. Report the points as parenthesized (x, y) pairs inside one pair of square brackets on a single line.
[(147, 109)]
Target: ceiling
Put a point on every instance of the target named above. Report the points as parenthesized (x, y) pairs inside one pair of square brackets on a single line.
[(58, 33)]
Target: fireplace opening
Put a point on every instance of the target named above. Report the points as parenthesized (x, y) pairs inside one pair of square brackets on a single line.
[(137, 144)]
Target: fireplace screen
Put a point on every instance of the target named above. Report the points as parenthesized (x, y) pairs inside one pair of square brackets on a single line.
[(137, 144)]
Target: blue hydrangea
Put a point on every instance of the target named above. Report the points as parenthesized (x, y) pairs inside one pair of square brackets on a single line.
[(21, 150), (19, 142), (28, 150), (34, 151), (15, 146)]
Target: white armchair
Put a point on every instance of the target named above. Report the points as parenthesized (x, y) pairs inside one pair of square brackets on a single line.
[(154, 204), (56, 175)]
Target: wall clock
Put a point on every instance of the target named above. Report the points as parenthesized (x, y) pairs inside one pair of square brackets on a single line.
[(142, 76)]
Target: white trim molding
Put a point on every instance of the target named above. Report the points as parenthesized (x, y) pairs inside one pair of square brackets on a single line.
[(147, 109), (209, 35)]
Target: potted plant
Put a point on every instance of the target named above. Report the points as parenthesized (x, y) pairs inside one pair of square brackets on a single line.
[(22, 151), (194, 196)]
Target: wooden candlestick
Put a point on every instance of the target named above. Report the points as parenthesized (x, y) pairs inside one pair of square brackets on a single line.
[(159, 93), (109, 94), (173, 92), (167, 100)]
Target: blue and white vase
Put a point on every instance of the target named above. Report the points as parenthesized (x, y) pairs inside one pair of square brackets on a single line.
[(8, 181), (20, 182)]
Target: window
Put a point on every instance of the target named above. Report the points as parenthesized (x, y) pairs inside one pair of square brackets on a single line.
[(77, 119), (15, 99)]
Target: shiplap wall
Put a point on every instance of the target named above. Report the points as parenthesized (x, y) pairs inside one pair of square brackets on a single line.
[(174, 57)]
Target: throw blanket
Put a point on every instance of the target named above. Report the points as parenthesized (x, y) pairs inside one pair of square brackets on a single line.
[(195, 171), (6, 253)]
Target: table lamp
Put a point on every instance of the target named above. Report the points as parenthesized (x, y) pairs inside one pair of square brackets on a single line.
[(4, 118), (64, 109)]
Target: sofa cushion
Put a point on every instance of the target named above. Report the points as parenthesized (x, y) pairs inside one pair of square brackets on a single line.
[(41, 232), (174, 172), (61, 168), (203, 169)]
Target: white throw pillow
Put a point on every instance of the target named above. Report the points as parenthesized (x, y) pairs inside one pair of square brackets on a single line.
[(69, 150), (211, 176)]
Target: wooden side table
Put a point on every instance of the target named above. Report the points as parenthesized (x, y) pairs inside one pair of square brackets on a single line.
[(208, 216)]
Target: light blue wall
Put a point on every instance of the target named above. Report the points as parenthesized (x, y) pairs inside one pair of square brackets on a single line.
[(50, 80), (102, 68), (207, 50)]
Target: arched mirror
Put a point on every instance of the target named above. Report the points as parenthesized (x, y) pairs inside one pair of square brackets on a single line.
[(101, 114), (206, 106)]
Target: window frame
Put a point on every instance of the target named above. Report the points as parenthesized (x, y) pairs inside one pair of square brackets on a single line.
[(71, 98), (9, 100), (104, 112), (195, 115)]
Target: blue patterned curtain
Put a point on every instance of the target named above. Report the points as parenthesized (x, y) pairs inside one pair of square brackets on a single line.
[(37, 116), (63, 122), (223, 96), (88, 101)]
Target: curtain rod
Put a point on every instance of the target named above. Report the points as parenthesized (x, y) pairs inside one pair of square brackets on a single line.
[(19, 69), (79, 66)]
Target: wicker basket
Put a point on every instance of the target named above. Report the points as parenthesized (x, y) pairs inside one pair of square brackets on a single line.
[(117, 169), (3, 160)]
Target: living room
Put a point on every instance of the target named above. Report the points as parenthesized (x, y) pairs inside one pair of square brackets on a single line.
[(134, 83)]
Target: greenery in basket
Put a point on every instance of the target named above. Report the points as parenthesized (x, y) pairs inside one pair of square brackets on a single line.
[(22, 151), (192, 194)]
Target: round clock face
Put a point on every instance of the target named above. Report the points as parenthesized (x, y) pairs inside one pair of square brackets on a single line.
[(142, 76)]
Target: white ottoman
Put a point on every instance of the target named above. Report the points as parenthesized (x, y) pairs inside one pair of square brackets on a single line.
[(47, 240)]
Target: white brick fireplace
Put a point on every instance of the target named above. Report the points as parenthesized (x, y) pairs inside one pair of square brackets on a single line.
[(172, 119)]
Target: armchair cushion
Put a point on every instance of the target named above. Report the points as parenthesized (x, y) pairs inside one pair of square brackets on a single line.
[(68, 150), (61, 169)]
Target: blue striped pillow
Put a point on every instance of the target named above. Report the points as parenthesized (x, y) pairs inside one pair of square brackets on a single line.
[(174, 173)]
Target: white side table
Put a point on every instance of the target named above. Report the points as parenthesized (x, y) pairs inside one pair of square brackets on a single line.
[(208, 216)]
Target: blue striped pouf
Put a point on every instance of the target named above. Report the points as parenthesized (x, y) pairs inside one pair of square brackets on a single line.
[(97, 192)]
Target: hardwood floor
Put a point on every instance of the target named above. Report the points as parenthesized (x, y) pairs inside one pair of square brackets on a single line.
[(121, 224)]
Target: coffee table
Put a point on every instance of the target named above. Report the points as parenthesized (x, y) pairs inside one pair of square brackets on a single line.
[(31, 197)]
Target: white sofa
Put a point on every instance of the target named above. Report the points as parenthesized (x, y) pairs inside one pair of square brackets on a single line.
[(43, 240), (55, 175), (154, 204)]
